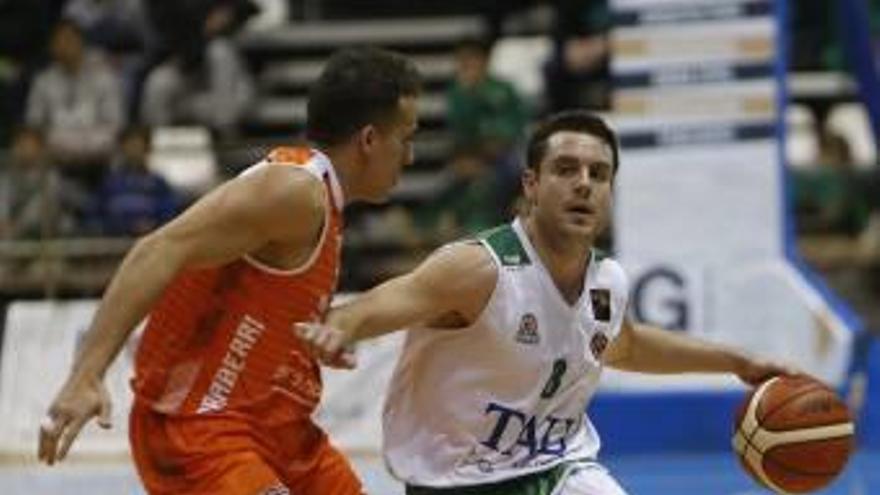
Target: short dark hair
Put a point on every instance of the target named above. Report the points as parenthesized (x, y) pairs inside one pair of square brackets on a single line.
[(68, 23), (569, 120), (474, 45), (357, 87), (135, 130)]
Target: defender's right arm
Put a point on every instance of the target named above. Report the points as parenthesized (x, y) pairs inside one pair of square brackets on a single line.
[(273, 204), (448, 290)]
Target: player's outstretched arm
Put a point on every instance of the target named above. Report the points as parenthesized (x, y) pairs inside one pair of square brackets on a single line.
[(271, 205), (649, 349), (449, 289)]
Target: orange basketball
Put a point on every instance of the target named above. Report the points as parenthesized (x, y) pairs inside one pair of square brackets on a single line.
[(793, 434)]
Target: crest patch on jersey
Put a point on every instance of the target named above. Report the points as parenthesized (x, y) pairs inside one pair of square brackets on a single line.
[(598, 344), (528, 330), (601, 301)]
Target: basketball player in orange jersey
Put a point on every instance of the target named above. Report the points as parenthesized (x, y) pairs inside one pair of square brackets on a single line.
[(224, 390)]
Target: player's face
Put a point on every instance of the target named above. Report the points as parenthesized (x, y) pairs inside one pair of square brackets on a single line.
[(391, 149), (570, 195)]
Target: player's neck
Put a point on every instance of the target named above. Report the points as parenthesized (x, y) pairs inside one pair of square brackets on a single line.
[(341, 159), (566, 261)]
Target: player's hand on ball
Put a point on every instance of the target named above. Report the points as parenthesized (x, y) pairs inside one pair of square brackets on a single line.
[(755, 371), (79, 400), (327, 344)]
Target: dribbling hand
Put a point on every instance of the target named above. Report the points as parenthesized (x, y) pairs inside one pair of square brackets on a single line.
[(755, 371), (78, 401), (327, 344)]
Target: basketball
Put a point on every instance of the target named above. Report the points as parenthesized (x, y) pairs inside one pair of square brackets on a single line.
[(793, 434)]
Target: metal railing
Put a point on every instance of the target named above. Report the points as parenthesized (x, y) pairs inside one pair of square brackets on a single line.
[(53, 267)]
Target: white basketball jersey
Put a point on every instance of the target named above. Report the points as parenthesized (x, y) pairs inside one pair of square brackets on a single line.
[(507, 395)]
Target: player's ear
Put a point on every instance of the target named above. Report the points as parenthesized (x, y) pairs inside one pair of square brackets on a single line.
[(529, 183), (367, 137)]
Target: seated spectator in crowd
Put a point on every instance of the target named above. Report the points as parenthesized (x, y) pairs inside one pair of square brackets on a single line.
[(834, 197), (487, 119), (35, 202), (180, 24), (133, 200), (182, 27), (466, 206), (495, 14), (206, 85), (77, 103), (577, 74), (116, 26), (24, 30), (121, 28)]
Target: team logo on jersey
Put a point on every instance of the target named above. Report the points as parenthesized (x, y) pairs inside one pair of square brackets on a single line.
[(528, 330), (598, 343), (511, 259), (601, 300), (278, 489)]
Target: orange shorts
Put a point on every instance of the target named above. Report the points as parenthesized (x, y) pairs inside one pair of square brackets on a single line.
[(222, 456)]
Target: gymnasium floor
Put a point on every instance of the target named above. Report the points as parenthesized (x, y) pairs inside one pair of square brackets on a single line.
[(688, 474)]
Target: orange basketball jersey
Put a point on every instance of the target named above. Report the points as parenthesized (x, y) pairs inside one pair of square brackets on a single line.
[(221, 340)]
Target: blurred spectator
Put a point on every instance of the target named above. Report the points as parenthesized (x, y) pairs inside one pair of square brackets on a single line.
[(211, 88), (832, 198), (77, 103), (468, 205), (484, 111), (114, 25), (816, 30), (183, 31), (187, 25), (133, 200), (495, 13), (121, 28), (35, 202), (814, 44), (487, 119), (577, 74), (24, 29)]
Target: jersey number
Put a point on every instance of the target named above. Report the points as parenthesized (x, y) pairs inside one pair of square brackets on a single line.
[(555, 380)]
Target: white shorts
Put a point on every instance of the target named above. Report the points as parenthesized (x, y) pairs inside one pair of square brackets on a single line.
[(588, 478)]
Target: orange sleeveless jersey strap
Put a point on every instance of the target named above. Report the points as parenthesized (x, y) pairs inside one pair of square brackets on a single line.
[(289, 155)]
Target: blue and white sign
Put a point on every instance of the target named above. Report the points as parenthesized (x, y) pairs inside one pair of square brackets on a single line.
[(700, 211)]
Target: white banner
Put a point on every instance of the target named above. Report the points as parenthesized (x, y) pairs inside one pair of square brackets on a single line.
[(703, 203), (351, 408), (39, 344), (765, 309), (38, 348)]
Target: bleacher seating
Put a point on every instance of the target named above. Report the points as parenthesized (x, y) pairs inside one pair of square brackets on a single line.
[(285, 56)]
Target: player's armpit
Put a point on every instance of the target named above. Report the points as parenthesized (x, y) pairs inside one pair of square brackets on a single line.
[(619, 351)]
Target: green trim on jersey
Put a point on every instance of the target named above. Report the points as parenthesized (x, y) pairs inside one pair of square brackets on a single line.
[(600, 254), (506, 245), (540, 483)]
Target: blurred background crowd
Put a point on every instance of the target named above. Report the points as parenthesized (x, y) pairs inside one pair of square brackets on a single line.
[(115, 114)]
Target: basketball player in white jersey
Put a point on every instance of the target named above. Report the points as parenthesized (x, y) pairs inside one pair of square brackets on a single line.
[(509, 333)]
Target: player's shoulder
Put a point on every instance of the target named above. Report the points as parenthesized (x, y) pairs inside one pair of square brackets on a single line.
[(503, 245), (302, 164), (464, 260), (610, 271), (460, 274), (288, 166), (466, 253), (293, 188), (289, 155)]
